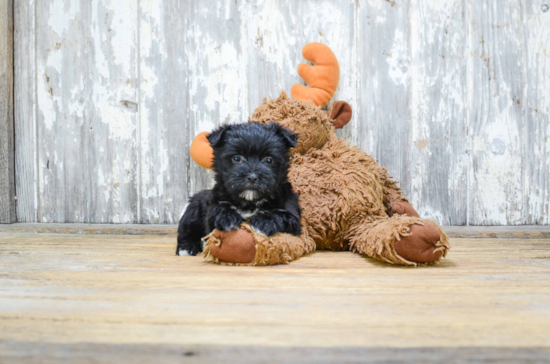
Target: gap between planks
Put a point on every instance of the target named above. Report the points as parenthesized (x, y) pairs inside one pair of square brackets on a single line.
[(501, 232)]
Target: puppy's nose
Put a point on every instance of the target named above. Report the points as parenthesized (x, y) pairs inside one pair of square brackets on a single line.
[(252, 178)]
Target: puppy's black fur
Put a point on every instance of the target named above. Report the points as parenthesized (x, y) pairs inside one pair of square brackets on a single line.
[(251, 167)]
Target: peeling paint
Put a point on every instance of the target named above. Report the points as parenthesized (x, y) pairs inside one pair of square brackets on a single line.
[(456, 106), (421, 144), (120, 122), (398, 60), (62, 13)]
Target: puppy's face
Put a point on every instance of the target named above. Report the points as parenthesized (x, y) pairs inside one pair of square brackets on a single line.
[(251, 160)]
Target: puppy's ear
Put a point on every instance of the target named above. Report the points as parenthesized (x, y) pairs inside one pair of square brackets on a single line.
[(216, 137), (289, 137)]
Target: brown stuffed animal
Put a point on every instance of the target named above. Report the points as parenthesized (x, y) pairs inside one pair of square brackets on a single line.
[(348, 201)]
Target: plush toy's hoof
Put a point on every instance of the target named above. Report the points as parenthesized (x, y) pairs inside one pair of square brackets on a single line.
[(422, 246), (402, 208), (237, 246)]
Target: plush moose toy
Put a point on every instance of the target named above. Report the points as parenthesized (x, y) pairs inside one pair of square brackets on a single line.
[(348, 201)]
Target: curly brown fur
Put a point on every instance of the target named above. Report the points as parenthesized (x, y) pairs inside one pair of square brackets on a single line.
[(377, 239), (270, 250), (312, 124), (345, 195)]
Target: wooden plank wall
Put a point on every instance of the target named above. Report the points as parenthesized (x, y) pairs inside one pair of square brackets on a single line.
[(7, 164), (452, 96)]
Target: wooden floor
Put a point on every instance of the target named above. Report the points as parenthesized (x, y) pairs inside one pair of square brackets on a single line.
[(103, 298)]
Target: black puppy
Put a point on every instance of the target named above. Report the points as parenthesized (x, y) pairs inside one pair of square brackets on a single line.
[(250, 167)]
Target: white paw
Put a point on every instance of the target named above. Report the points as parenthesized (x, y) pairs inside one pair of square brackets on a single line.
[(184, 253)]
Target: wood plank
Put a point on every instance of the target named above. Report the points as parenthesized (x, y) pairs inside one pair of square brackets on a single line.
[(384, 48), (537, 113), (275, 34), (87, 114), (164, 124), (116, 290), (7, 166), (26, 144), (501, 232), (89, 148), (32, 352), (439, 157), (496, 69), (216, 77)]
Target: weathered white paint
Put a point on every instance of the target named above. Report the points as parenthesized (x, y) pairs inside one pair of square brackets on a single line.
[(496, 119), (62, 13), (86, 76), (452, 96), (384, 91), (7, 142), (215, 74), (537, 112), (439, 156), (26, 154), (273, 67)]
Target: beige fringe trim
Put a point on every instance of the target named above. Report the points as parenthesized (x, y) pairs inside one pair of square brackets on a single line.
[(280, 248), (377, 239)]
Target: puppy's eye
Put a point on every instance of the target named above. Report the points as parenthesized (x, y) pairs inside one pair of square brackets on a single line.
[(268, 160), (237, 159)]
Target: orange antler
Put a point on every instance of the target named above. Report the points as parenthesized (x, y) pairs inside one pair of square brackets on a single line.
[(322, 77)]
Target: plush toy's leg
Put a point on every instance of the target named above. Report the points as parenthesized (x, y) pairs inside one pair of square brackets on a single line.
[(400, 240), (394, 201), (243, 246), (402, 208)]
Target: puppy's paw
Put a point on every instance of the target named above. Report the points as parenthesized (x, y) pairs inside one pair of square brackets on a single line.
[(187, 250), (184, 253), (264, 225), (228, 221)]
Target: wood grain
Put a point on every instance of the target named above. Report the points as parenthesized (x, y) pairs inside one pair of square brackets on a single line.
[(164, 136), (497, 80), (216, 77), (450, 96), (501, 232), (536, 97), (7, 166), (86, 353), (439, 156), (26, 151), (384, 51), (86, 91), (116, 290), (275, 36)]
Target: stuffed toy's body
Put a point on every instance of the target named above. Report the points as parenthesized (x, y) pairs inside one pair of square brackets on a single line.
[(348, 201)]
